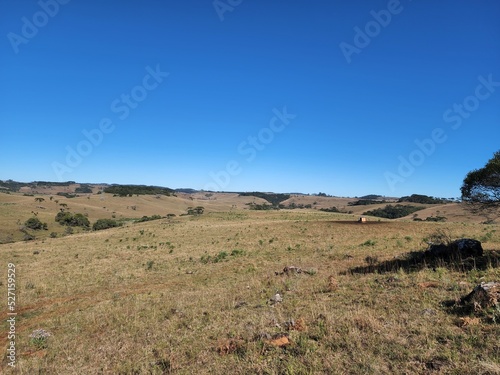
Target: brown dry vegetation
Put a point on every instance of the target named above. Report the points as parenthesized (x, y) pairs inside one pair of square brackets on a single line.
[(192, 295)]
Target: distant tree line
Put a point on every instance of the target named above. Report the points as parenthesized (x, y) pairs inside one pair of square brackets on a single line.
[(331, 209), (67, 195), (262, 207), (12, 185), (393, 211), (129, 190), (273, 198), (293, 206), (365, 202), (370, 197), (49, 183), (83, 189), (423, 199)]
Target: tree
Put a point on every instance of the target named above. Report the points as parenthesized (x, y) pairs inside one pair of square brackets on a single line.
[(481, 189), (35, 224), (105, 224), (76, 220)]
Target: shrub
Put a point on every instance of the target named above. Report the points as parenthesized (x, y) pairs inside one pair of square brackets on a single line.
[(195, 211), (105, 224), (35, 224), (368, 243), (76, 220), (148, 218), (28, 237), (436, 218), (39, 338), (331, 209)]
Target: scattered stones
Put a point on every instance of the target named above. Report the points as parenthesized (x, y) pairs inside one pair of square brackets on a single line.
[(296, 325), (483, 296), (289, 270), (279, 341), (277, 298)]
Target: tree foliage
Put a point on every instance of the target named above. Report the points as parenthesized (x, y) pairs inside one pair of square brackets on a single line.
[(129, 190), (83, 189), (273, 198), (35, 224), (481, 188), (424, 199), (105, 224), (195, 211), (76, 220), (365, 202), (393, 212)]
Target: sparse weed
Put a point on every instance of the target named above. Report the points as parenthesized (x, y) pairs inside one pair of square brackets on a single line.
[(39, 339)]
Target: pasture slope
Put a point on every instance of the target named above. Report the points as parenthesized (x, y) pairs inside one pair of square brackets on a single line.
[(16, 208), (196, 294)]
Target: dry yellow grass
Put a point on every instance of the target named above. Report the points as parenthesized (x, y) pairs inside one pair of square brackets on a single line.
[(194, 295)]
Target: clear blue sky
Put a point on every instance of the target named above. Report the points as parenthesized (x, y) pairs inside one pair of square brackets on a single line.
[(284, 95)]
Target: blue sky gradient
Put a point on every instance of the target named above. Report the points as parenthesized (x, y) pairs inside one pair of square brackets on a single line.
[(284, 96)]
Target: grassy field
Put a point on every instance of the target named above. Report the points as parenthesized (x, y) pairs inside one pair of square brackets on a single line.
[(16, 208), (194, 295)]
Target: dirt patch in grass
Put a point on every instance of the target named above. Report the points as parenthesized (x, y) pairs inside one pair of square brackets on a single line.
[(364, 223)]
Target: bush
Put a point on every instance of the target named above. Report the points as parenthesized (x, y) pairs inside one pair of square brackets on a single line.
[(105, 224), (436, 218), (331, 209), (35, 224), (148, 218), (76, 220), (195, 211), (28, 237)]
